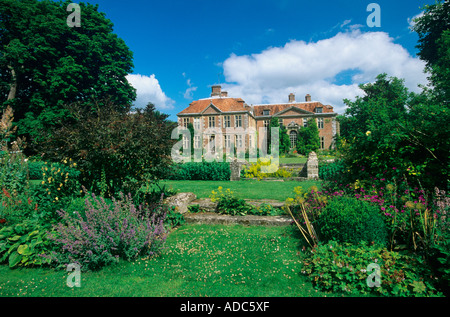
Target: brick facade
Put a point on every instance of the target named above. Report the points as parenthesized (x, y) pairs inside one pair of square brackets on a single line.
[(236, 122)]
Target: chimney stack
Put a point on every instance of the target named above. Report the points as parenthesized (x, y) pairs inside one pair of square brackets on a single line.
[(308, 98), (291, 97), (216, 91)]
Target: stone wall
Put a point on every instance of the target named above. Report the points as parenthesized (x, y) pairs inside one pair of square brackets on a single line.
[(312, 166)]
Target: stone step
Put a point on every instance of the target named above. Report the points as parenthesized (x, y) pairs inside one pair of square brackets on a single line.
[(250, 220)]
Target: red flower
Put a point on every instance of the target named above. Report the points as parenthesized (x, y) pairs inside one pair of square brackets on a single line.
[(6, 193), (2, 221)]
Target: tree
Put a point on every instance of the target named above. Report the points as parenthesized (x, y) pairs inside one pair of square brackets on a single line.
[(284, 143), (433, 28), (45, 64), (114, 150), (308, 139), (390, 132)]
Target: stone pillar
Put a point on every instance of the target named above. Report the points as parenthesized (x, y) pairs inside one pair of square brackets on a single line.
[(235, 168), (312, 166)]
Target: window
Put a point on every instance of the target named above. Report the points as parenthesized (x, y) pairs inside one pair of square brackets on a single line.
[(293, 138), (322, 142), (266, 112), (227, 141), (280, 122), (197, 140), (185, 122), (250, 141), (185, 142), (238, 121), (305, 122), (266, 123), (212, 122), (239, 143), (227, 121), (319, 110), (320, 123), (212, 144), (196, 123)]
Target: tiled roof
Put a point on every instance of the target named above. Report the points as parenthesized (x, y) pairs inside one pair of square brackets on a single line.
[(258, 110), (223, 104)]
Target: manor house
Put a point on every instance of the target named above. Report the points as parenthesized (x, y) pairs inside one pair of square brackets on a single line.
[(237, 122)]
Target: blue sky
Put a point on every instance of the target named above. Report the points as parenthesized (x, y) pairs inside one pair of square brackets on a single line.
[(263, 50)]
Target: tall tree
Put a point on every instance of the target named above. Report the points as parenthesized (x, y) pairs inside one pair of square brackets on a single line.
[(390, 132), (114, 150), (308, 139), (45, 63), (433, 28)]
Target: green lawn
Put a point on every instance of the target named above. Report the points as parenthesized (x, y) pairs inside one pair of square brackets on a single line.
[(246, 189), (199, 261), (293, 160)]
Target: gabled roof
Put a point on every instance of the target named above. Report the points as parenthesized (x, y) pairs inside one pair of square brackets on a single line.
[(280, 108), (222, 104)]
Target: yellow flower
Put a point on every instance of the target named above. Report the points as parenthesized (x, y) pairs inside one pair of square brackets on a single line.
[(43, 182), (410, 204), (368, 133), (56, 198)]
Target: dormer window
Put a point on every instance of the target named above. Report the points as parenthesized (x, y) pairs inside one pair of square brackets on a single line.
[(319, 110), (266, 112)]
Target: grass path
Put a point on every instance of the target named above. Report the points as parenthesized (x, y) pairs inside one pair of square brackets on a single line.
[(246, 189), (200, 260)]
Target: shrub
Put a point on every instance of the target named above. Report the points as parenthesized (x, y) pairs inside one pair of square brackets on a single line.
[(266, 210), (16, 207), (115, 151), (213, 171), (304, 209), (441, 245), (24, 244), (13, 165), (255, 170), (108, 232), (330, 171), (347, 219), (60, 184), (229, 204), (35, 169), (337, 267)]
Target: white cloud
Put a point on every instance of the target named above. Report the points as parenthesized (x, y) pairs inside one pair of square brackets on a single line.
[(313, 68), (189, 93), (148, 90)]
